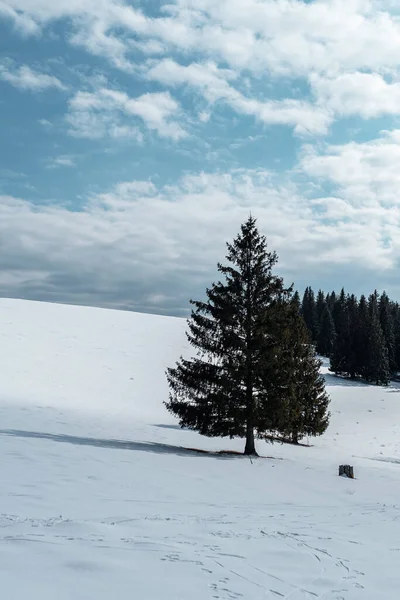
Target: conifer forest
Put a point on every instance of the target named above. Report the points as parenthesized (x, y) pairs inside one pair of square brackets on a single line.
[(360, 336)]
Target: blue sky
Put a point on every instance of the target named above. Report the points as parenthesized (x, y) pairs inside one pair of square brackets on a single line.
[(137, 136)]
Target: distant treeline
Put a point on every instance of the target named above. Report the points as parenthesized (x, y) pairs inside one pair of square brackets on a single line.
[(360, 336)]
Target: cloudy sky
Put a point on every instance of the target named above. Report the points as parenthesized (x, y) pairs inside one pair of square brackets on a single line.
[(137, 135)]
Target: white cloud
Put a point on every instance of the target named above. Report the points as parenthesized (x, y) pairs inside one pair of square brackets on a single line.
[(22, 21), (364, 172), (212, 81), (137, 239), (347, 44), (109, 112), (93, 22), (364, 94), (10, 174), (365, 178), (96, 40), (284, 37), (145, 188), (25, 78), (213, 84), (125, 132), (204, 116), (290, 37), (61, 161)]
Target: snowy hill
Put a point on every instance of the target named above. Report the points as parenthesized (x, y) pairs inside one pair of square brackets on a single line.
[(101, 499)]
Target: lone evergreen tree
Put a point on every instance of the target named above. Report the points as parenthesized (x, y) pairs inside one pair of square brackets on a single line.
[(226, 389)]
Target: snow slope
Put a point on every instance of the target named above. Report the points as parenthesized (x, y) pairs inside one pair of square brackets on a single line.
[(100, 499)]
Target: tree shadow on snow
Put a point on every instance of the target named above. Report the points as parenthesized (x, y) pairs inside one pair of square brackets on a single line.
[(154, 447), (165, 426)]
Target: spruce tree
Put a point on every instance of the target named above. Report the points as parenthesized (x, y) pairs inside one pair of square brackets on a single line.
[(352, 329), (339, 353), (309, 312), (338, 308), (362, 337), (386, 318), (377, 369), (327, 334), (295, 300), (396, 320), (330, 300), (253, 357), (319, 308), (344, 358), (223, 390)]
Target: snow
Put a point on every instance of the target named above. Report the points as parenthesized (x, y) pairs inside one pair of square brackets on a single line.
[(100, 498)]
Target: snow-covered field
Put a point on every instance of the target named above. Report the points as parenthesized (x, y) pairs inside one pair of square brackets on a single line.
[(100, 499)]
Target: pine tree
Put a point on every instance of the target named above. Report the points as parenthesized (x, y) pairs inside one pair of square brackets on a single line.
[(223, 391), (327, 334), (298, 392)]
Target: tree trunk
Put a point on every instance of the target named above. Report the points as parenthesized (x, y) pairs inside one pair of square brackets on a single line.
[(250, 448)]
